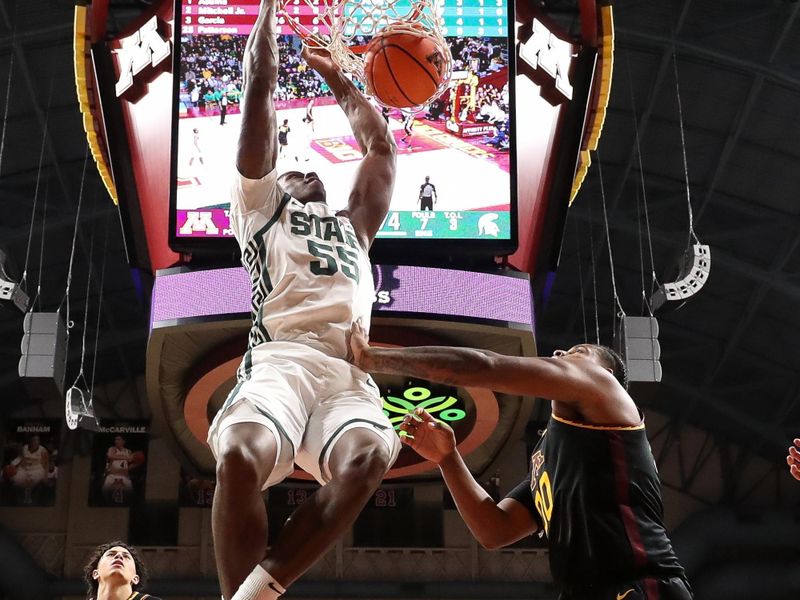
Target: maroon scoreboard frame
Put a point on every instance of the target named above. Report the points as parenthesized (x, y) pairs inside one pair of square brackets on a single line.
[(125, 88)]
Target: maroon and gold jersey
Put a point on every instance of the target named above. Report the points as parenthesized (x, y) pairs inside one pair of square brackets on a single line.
[(596, 494)]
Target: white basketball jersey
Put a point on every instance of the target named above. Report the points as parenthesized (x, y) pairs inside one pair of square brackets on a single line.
[(310, 277), (32, 460), (119, 460)]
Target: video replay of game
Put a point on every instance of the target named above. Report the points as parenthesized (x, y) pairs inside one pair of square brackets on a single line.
[(454, 157)]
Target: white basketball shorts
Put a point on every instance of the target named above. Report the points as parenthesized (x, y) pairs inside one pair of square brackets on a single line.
[(308, 400)]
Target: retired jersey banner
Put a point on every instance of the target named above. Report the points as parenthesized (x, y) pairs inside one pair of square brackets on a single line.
[(29, 463), (195, 492), (119, 464)]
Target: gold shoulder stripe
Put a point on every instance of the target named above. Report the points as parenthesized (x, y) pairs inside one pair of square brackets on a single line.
[(599, 427)]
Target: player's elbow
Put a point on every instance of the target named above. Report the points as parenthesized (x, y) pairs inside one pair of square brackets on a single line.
[(491, 542)]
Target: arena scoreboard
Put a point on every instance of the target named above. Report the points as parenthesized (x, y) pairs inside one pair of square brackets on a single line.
[(219, 17), (455, 162)]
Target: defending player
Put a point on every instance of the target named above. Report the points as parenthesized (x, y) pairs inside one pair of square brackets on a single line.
[(593, 486), (297, 399)]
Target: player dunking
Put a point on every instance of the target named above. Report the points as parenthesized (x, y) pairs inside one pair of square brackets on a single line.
[(593, 487), (297, 399), (427, 195)]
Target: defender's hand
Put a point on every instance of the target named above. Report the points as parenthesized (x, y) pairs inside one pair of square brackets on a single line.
[(431, 439), (793, 459), (320, 60), (359, 345)]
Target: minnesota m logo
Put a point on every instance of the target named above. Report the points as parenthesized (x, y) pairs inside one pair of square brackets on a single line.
[(143, 48), (198, 220), (553, 56)]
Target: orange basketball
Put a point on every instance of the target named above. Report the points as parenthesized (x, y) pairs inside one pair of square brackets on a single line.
[(9, 471), (403, 69), (137, 458)]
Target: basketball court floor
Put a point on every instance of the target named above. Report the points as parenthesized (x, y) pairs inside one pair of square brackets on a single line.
[(468, 174)]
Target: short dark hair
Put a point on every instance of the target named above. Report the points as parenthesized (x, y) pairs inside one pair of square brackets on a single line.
[(615, 363), (92, 584)]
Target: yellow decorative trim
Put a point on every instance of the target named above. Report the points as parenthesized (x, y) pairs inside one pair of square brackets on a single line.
[(606, 75), (81, 64), (599, 427)]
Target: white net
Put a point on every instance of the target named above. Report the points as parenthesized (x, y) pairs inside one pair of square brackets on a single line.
[(345, 28)]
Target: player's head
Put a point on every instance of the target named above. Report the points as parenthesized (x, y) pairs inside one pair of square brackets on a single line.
[(114, 564), (33, 442), (119, 441), (303, 187), (603, 355), (427, 179), (286, 121), (195, 130)]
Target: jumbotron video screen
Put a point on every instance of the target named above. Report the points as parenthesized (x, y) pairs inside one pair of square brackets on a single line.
[(454, 159)]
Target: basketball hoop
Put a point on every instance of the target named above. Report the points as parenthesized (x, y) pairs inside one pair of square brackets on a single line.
[(344, 28)]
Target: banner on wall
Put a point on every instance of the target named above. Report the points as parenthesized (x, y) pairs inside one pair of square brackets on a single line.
[(29, 460), (119, 464), (195, 492)]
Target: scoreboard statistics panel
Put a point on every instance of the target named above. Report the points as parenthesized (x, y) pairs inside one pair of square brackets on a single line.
[(455, 164)]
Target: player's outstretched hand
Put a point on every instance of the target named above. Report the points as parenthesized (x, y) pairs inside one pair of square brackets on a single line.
[(793, 459), (359, 345), (431, 439), (320, 60)]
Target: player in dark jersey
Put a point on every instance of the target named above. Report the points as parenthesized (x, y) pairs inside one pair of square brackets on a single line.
[(283, 137), (593, 488)]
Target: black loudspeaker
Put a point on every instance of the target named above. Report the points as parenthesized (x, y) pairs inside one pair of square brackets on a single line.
[(44, 354), (636, 341)]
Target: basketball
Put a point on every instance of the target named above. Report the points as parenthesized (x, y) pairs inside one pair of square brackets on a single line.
[(9, 471), (404, 69), (137, 458)]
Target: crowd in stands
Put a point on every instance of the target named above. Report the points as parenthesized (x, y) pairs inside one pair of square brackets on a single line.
[(493, 107), (211, 67), (479, 55)]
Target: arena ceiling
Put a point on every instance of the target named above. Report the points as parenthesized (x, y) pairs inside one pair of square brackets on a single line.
[(729, 358)]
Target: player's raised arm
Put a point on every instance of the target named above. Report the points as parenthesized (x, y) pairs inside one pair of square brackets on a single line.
[(257, 151), (372, 189)]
